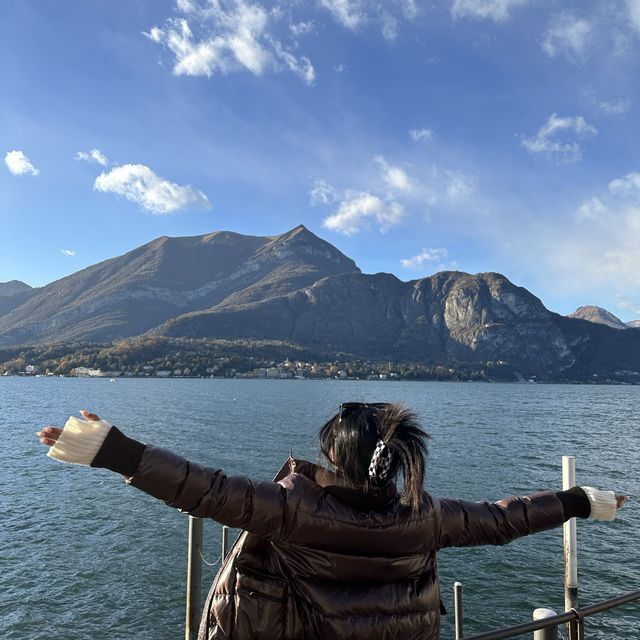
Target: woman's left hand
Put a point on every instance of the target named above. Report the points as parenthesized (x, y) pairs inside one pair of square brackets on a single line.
[(50, 435), (620, 500)]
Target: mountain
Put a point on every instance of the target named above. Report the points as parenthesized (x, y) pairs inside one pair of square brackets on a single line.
[(296, 289), (167, 277), (634, 324), (599, 315), (13, 287), (13, 294), (451, 316)]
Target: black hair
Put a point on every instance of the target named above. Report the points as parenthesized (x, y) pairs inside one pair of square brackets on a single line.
[(349, 439)]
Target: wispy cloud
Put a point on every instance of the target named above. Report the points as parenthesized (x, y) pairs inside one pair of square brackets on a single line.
[(138, 183), (68, 252), (496, 10), (349, 13), (420, 135), (95, 155), (424, 257), (394, 176), (18, 164), (232, 35), (323, 193), (633, 11), (393, 191), (557, 138), (388, 16), (567, 35), (359, 209), (608, 106)]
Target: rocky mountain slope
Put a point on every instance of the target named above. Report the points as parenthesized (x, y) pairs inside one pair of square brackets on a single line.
[(165, 278), (451, 316), (300, 290), (599, 315)]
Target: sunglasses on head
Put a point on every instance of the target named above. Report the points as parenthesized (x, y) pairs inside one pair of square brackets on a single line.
[(346, 407)]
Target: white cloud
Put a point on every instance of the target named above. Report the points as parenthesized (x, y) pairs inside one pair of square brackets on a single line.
[(302, 28), (460, 187), (496, 10), (388, 15), (591, 209), (420, 135), (349, 13), (568, 35), (395, 177), (95, 155), (138, 183), (615, 107), (360, 208), (633, 11), (551, 139), (68, 252), (629, 185), (610, 106), (323, 193), (600, 251), (426, 255), (340, 68), (18, 164), (233, 35)]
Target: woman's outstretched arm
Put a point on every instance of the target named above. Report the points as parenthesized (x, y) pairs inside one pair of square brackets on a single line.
[(463, 523), (258, 507)]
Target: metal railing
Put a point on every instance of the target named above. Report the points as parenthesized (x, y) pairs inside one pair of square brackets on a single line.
[(574, 618)]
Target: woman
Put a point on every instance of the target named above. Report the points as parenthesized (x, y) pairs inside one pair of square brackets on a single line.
[(328, 554)]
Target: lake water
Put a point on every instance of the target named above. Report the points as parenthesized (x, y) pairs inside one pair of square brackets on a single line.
[(82, 555)]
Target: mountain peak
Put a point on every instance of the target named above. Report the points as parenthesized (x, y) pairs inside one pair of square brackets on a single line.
[(12, 287), (598, 315)]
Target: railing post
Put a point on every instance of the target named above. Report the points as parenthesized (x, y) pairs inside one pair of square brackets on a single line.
[(570, 540), (457, 608), (225, 541), (194, 578), (550, 633)]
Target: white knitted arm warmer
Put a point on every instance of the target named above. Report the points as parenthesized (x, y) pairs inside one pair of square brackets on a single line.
[(603, 503), (80, 440)]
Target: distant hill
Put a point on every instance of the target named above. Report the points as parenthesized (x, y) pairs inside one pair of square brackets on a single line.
[(599, 315), (634, 324), (296, 289)]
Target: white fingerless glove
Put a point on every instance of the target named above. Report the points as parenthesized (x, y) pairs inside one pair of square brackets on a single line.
[(80, 440), (603, 503)]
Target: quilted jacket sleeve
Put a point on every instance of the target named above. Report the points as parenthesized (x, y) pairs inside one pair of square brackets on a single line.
[(257, 507), (463, 524)]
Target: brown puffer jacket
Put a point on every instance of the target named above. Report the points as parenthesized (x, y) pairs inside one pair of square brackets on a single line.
[(320, 561)]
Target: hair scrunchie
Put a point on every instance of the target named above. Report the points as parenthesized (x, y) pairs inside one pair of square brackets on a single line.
[(380, 462)]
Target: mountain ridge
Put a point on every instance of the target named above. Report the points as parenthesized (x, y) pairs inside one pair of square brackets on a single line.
[(298, 289)]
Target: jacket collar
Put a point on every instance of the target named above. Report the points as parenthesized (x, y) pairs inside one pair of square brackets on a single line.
[(375, 500)]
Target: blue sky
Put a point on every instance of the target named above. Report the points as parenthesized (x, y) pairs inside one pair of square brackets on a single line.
[(479, 135)]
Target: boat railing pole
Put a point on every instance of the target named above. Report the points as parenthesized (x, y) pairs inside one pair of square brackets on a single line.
[(225, 541), (570, 547), (550, 633), (457, 608), (194, 578)]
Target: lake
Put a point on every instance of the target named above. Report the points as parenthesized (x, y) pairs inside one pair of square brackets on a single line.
[(82, 555)]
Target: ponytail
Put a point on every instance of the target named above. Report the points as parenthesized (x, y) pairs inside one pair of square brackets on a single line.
[(400, 430), (381, 437)]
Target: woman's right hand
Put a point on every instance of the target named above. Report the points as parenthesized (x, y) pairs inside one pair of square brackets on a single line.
[(50, 435)]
